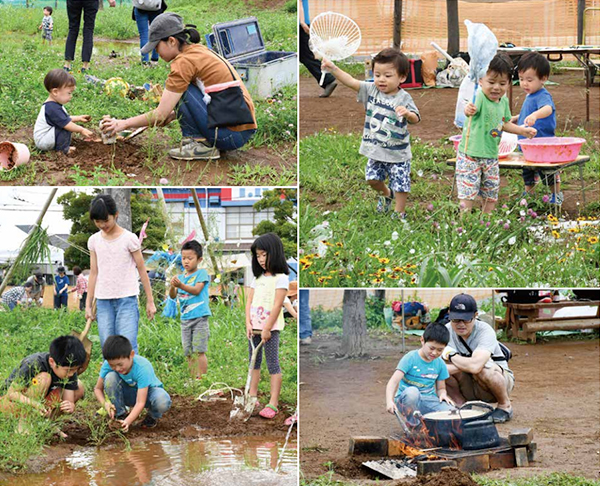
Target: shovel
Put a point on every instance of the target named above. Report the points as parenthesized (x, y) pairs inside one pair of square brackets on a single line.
[(135, 133), (87, 344), (243, 405)]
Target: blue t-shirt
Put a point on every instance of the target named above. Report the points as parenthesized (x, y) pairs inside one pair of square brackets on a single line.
[(60, 282), (420, 373), (141, 375), (194, 306), (533, 102)]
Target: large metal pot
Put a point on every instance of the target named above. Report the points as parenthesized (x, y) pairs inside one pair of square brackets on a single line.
[(480, 434), (443, 426)]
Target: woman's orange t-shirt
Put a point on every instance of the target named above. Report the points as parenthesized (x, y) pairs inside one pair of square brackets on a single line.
[(198, 63)]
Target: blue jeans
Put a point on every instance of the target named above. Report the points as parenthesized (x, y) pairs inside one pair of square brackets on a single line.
[(118, 316), (143, 19), (305, 321), (61, 300), (121, 395), (193, 118), (412, 399)]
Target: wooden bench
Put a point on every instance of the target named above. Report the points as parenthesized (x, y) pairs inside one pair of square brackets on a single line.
[(524, 320)]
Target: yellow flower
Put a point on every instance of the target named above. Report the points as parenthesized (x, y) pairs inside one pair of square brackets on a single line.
[(373, 255), (573, 230), (556, 234), (312, 272), (579, 239), (561, 260), (377, 280), (581, 249), (323, 279), (384, 260), (382, 270), (397, 269), (394, 277), (340, 244), (408, 272), (593, 240), (581, 218), (551, 217), (34, 382), (306, 266), (413, 280), (491, 269)]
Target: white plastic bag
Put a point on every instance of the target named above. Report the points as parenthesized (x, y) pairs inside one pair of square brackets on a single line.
[(465, 95)]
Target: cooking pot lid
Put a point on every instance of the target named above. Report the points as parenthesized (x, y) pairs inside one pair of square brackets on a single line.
[(448, 415)]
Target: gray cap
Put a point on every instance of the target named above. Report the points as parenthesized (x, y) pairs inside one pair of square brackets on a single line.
[(165, 25)]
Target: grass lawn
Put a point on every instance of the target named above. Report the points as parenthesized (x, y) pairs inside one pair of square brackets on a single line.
[(345, 243)]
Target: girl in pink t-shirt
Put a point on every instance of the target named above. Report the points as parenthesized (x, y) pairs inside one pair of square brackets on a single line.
[(115, 263), (264, 312)]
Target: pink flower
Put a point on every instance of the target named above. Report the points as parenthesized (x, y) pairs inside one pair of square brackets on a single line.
[(546, 198), (522, 219), (534, 214), (459, 229), (523, 202), (504, 206), (434, 177), (436, 225), (487, 225), (430, 207), (506, 226), (164, 181)]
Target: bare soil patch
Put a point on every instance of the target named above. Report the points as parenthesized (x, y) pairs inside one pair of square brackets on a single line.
[(557, 393)]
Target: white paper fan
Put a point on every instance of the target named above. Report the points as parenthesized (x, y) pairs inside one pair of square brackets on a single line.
[(333, 36)]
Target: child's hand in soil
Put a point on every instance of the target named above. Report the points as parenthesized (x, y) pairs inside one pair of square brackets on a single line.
[(470, 109), (110, 126), (87, 133), (124, 425), (67, 406)]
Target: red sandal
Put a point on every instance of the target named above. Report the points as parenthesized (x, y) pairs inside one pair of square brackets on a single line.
[(269, 412)]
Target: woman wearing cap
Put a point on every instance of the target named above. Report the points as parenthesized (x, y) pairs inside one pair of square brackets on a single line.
[(194, 67)]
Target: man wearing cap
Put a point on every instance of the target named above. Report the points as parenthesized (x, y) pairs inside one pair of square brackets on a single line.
[(37, 292), (477, 366), (194, 68)]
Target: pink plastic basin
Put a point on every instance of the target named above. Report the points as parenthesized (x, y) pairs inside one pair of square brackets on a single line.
[(551, 150), (510, 147)]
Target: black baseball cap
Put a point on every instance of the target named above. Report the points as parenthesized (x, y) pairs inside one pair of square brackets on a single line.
[(165, 25), (462, 307)]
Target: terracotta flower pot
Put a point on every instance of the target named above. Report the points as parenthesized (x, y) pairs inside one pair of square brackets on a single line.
[(13, 154)]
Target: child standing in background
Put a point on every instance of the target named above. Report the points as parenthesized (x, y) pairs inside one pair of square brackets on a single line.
[(61, 289), (115, 263), (191, 288), (47, 26), (264, 312), (80, 287)]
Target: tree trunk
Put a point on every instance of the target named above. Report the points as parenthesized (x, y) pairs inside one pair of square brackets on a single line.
[(355, 323), (380, 304), (122, 197), (453, 27), (580, 15), (397, 24)]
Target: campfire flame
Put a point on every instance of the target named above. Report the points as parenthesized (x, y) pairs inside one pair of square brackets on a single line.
[(410, 451)]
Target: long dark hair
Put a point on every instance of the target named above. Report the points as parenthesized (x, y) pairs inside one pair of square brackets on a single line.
[(272, 245), (189, 36), (102, 207)]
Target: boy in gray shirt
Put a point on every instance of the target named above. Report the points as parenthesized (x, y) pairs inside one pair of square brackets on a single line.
[(385, 141)]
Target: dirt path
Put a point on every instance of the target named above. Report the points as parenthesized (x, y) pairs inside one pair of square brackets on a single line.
[(342, 112), (557, 393), (145, 161)]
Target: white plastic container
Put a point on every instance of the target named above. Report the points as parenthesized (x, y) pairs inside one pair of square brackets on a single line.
[(263, 72)]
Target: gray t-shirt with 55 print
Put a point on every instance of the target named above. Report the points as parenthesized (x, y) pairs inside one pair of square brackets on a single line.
[(385, 135)]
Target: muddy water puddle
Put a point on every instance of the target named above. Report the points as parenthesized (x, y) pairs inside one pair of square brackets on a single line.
[(223, 462)]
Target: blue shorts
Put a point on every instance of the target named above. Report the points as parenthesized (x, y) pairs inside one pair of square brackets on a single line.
[(397, 172)]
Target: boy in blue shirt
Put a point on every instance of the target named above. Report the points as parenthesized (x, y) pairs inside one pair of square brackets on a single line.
[(61, 288), (538, 111), (129, 381), (418, 384), (191, 289)]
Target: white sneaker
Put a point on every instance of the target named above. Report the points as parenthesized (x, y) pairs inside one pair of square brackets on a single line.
[(306, 340)]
